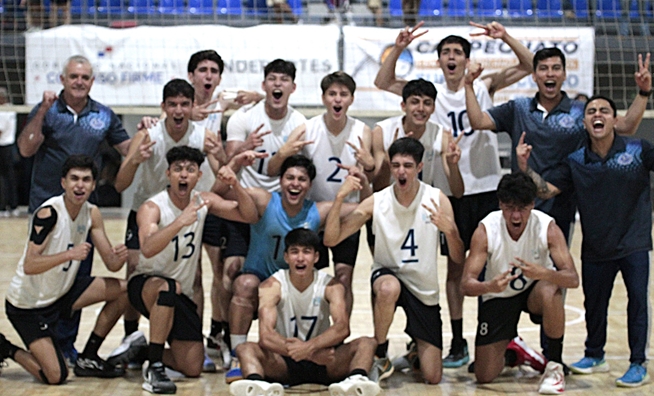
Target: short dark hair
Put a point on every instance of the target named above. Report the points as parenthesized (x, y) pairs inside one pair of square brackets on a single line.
[(339, 77), (465, 44), (178, 87), (516, 189), (300, 161), (79, 161), (419, 87), (407, 146), (546, 53), (184, 153), (209, 55), (598, 97), (280, 66), (302, 237)]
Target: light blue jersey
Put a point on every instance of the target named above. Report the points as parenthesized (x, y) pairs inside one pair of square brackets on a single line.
[(266, 250)]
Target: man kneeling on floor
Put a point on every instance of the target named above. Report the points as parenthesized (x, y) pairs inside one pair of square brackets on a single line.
[(297, 344)]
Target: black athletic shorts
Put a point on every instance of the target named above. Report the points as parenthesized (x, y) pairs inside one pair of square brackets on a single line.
[(469, 210), (36, 323), (186, 323), (497, 318), (305, 372), (345, 252), (423, 322), (214, 232), (238, 238), (132, 232)]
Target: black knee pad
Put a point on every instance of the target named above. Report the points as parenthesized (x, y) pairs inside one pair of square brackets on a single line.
[(63, 370), (167, 297)]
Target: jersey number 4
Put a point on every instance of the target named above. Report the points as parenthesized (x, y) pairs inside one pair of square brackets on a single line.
[(410, 244)]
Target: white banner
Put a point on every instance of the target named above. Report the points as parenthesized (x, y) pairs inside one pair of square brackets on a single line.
[(132, 65), (365, 48)]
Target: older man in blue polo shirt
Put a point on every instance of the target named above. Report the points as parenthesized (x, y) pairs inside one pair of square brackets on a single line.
[(58, 127), (610, 175)]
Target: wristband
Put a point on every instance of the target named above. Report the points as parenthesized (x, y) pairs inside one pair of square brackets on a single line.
[(645, 93)]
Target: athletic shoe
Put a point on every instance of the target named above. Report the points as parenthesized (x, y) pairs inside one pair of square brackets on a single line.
[(234, 373), (129, 349), (589, 365), (155, 379), (208, 366), (382, 368), (409, 360), (248, 387), (553, 381), (526, 355), (217, 343), (457, 357), (355, 385), (635, 376), (471, 368), (70, 357), (4, 351), (96, 367)]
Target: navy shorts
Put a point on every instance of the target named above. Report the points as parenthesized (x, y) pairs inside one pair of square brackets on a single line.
[(36, 323), (132, 232), (304, 372), (238, 238), (469, 210), (214, 232), (345, 252)]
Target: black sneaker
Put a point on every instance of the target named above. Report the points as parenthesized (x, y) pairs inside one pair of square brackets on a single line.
[(96, 367), (155, 379), (4, 351), (458, 356)]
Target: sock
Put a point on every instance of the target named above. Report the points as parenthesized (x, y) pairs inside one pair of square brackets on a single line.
[(382, 349), (131, 326), (226, 334), (216, 328), (510, 358), (155, 353), (255, 377), (92, 345), (236, 340), (457, 333), (358, 371), (555, 349), (8, 350)]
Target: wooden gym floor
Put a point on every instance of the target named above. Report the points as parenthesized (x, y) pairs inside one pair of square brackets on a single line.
[(15, 381)]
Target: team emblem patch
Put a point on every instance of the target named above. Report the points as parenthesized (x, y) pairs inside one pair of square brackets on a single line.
[(625, 159), (536, 254), (567, 121), (425, 217), (81, 229), (316, 301), (97, 123)]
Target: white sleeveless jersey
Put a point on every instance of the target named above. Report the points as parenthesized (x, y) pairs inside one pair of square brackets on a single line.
[(406, 241), (502, 250), (303, 315), (245, 121), (179, 259), (329, 150), (42, 290), (153, 171), (480, 160), (432, 140)]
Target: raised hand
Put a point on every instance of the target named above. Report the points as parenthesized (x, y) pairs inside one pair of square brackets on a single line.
[(530, 270), (295, 145), (49, 97), (407, 35), (437, 218), (200, 112), (499, 283), (227, 175), (145, 149), (190, 213), (255, 139), (522, 152), (147, 123), (494, 29), (363, 156), (474, 71), (248, 157), (453, 154), (643, 76)]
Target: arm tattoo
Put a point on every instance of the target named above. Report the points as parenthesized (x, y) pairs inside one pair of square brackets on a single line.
[(542, 190)]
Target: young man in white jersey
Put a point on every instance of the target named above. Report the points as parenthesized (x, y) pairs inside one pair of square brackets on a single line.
[(331, 140), (407, 217), (170, 227), (205, 69), (45, 287), (147, 151), (441, 152), (525, 263), (298, 344), (479, 164), (279, 213)]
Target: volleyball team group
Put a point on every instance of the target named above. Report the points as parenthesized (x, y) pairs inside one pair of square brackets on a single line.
[(270, 202)]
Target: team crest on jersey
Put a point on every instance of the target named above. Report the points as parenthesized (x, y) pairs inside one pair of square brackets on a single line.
[(425, 217), (625, 159), (316, 301), (97, 123), (536, 254), (567, 121), (81, 229)]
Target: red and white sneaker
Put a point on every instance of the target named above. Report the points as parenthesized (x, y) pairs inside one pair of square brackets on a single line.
[(553, 381), (526, 355)]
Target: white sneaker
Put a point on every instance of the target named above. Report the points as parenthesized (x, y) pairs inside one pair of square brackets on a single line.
[(553, 381), (246, 387), (223, 349), (128, 349), (355, 385)]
